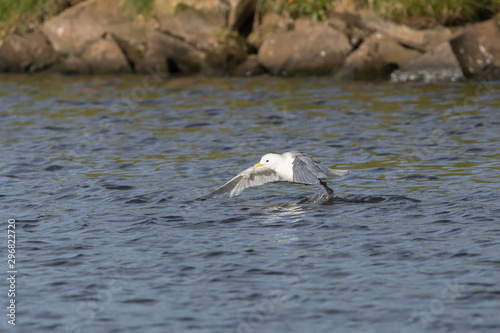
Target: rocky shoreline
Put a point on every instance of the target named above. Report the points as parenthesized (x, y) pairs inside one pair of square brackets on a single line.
[(227, 38)]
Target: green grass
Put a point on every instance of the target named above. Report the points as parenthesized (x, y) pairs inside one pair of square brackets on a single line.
[(317, 9), (29, 10), (23, 15), (445, 12), (142, 7), (8, 9)]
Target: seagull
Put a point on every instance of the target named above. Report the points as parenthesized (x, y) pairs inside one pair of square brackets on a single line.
[(292, 166)]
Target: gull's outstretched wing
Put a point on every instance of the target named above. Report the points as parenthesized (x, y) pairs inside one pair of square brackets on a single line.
[(253, 176), (308, 171)]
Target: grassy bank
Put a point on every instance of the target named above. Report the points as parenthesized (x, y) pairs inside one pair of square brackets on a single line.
[(22, 15), (444, 12)]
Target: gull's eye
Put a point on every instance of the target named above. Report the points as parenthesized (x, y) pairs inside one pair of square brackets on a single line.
[(267, 161)]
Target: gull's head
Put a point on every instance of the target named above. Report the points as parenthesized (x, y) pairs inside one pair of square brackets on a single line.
[(268, 160)]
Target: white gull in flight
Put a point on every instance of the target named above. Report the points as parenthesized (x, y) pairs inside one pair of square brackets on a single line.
[(293, 167)]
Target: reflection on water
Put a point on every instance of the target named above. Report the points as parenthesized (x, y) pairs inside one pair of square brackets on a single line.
[(101, 174)]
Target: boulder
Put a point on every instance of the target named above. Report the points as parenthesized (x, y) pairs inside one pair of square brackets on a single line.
[(423, 40), (171, 54), (342, 22), (85, 23), (102, 56), (312, 51), (203, 27), (304, 23), (196, 22), (438, 64), (105, 56), (28, 53), (75, 65), (199, 21), (376, 58), (249, 67), (477, 49)]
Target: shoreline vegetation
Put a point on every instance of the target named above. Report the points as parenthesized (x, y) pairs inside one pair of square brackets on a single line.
[(400, 40)]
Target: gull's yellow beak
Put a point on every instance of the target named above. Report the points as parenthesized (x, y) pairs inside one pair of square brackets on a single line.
[(258, 165)]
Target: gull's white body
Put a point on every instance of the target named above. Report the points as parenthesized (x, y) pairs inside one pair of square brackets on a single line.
[(294, 167), (284, 165)]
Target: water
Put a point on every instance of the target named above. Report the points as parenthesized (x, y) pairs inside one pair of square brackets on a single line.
[(101, 173)]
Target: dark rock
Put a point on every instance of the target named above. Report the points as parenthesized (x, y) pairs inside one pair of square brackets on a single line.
[(376, 58), (438, 64), (241, 16), (249, 67), (28, 53), (311, 51), (477, 49)]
